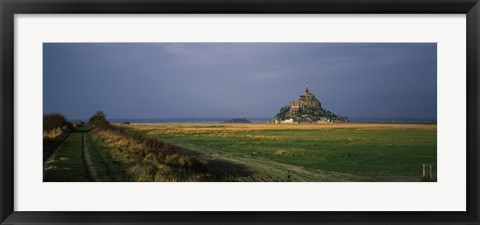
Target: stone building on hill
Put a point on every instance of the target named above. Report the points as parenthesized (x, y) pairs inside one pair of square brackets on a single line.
[(306, 109)]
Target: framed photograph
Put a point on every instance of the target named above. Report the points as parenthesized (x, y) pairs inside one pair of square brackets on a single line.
[(239, 112)]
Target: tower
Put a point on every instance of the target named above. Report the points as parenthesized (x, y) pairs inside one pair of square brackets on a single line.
[(307, 92)]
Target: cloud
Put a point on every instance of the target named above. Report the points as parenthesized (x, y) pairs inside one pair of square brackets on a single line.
[(148, 80)]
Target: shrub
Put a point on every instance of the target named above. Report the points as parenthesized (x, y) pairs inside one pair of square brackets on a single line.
[(53, 121), (98, 120)]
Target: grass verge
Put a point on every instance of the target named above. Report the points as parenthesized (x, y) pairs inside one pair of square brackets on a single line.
[(108, 169), (148, 159)]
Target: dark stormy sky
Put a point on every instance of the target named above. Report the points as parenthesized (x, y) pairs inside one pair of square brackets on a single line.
[(212, 80)]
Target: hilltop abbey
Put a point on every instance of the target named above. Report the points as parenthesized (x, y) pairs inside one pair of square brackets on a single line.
[(306, 109)]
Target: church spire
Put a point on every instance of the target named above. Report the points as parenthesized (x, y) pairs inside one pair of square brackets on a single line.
[(306, 90)]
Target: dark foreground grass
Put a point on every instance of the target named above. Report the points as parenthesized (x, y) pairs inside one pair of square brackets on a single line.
[(50, 144), (67, 164), (391, 153)]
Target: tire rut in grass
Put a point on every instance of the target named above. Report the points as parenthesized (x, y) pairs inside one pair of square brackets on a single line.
[(92, 173)]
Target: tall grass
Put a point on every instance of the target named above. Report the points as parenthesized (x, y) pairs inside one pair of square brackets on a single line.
[(55, 130), (149, 159)]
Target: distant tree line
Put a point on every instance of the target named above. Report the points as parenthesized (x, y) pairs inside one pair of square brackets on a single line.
[(56, 121)]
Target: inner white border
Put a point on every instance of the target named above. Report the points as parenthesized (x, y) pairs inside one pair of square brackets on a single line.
[(448, 194)]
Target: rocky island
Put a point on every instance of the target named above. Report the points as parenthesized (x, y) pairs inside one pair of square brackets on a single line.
[(237, 120), (306, 109)]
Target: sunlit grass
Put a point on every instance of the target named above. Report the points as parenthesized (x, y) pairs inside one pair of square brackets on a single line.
[(380, 152)]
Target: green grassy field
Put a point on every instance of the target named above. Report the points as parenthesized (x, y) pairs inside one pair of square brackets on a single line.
[(246, 152), (336, 152)]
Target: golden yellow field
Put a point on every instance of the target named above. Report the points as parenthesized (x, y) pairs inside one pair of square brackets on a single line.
[(196, 128)]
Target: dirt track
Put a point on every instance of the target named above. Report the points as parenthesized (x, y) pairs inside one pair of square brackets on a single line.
[(258, 170)]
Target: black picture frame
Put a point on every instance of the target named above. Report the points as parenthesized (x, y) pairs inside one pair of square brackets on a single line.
[(11, 7)]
